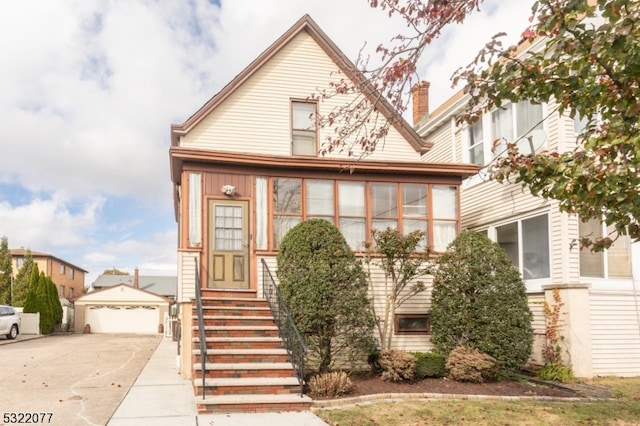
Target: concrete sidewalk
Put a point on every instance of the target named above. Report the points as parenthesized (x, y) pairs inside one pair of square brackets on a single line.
[(160, 396)]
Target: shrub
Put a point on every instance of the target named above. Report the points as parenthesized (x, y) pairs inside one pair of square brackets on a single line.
[(330, 385), (325, 289), (479, 300), (556, 372), (374, 361), (397, 365), (471, 365), (429, 364)]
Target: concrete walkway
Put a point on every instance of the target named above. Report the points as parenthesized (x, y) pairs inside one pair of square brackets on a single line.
[(160, 396)]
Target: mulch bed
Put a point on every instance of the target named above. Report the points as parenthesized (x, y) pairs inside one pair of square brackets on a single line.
[(371, 385)]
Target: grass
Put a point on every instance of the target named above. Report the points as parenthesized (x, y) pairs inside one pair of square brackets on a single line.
[(625, 410)]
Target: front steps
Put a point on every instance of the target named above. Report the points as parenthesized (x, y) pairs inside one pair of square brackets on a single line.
[(247, 367)]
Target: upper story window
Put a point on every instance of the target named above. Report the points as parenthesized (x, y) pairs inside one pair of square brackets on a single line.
[(19, 262), (62, 269), (303, 128), (61, 291), (614, 262), (359, 207), (487, 138)]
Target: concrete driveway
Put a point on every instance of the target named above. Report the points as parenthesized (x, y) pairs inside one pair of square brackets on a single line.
[(81, 379)]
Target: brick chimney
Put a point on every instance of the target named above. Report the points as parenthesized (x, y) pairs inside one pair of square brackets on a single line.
[(136, 279), (420, 95)]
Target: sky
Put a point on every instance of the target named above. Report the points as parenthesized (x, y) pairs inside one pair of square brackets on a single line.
[(90, 88)]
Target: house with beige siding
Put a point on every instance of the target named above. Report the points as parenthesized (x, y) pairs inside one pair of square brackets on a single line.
[(246, 168), (68, 278), (600, 291)]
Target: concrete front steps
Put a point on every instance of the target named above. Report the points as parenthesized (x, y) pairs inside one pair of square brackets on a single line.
[(247, 367)]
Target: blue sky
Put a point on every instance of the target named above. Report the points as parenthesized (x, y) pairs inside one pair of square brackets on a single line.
[(89, 89)]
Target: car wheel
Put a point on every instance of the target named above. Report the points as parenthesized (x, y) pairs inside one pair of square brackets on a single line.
[(13, 333)]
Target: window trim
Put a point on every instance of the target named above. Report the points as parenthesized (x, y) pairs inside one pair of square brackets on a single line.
[(420, 331), (368, 218)]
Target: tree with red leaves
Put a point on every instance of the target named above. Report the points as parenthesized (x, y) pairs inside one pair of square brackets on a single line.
[(587, 63)]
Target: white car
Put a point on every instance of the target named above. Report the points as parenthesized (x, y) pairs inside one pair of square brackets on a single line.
[(9, 322)]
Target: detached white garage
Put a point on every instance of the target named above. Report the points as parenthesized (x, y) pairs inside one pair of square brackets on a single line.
[(120, 309)]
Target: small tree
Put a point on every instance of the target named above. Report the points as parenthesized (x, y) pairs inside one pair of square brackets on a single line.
[(325, 289), (398, 257), (114, 271), (22, 280), (54, 303), (479, 301), (6, 272), (38, 300)]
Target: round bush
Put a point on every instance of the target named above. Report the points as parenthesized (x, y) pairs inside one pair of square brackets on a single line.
[(479, 301), (325, 289)]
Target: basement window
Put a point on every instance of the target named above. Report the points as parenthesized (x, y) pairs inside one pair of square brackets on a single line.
[(412, 324)]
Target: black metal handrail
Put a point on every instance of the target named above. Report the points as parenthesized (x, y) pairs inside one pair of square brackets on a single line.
[(288, 331), (201, 333)]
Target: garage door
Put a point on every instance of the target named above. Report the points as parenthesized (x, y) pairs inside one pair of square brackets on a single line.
[(123, 319)]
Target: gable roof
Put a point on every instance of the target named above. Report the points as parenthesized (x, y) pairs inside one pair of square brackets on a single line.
[(309, 26), (161, 285), (122, 293)]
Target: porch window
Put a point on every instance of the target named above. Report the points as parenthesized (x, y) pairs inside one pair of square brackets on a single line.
[(287, 206), (357, 208), (445, 213), (319, 198), (303, 128), (414, 211), (352, 214), (384, 206), (614, 262), (412, 324)]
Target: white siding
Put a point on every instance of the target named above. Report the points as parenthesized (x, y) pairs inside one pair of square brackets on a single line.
[(615, 333), (186, 276), (443, 150), (536, 305), (256, 117)]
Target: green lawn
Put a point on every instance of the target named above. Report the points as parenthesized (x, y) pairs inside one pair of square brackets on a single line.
[(624, 410)]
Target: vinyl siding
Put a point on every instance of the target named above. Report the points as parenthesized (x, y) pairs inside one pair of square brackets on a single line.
[(615, 333), (186, 275), (443, 151), (536, 305), (256, 116)]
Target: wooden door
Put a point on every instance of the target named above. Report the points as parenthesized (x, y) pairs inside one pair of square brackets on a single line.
[(228, 261)]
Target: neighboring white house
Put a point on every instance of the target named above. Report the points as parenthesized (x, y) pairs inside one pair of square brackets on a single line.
[(600, 291), (121, 309)]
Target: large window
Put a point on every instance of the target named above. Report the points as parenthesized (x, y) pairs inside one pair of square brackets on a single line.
[(526, 242), (303, 128), (357, 208), (487, 138), (614, 262)]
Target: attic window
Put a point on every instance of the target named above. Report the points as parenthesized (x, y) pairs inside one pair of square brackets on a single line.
[(303, 128)]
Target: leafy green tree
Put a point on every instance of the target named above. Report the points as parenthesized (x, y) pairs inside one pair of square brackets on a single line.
[(30, 305), (325, 289), (479, 301), (114, 271), (6, 268), (22, 281), (54, 303), (403, 264)]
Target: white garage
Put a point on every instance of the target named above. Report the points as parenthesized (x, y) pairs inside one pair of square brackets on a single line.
[(120, 309)]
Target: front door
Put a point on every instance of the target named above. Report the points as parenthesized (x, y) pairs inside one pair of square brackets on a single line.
[(228, 261)]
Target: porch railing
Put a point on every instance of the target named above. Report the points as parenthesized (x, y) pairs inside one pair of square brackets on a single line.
[(201, 333), (288, 331)]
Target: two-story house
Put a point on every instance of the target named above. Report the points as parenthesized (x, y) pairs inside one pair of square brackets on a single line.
[(246, 168), (601, 311)]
